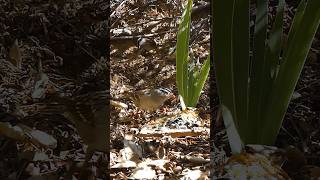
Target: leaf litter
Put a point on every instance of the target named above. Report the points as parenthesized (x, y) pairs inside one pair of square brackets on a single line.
[(165, 143)]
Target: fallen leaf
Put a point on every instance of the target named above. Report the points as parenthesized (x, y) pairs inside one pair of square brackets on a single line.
[(15, 54), (145, 172)]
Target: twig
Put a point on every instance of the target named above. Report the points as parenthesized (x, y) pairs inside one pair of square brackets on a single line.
[(140, 36), (115, 10), (312, 83), (80, 46), (152, 20), (89, 54)]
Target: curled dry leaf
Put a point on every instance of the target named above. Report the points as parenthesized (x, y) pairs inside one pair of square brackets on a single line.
[(195, 174), (42, 138), (253, 166), (15, 54), (118, 104), (14, 132), (143, 172), (23, 133), (124, 164), (40, 86)]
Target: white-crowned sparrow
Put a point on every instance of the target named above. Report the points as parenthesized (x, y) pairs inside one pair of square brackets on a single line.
[(91, 123), (89, 113), (145, 45), (151, 99)]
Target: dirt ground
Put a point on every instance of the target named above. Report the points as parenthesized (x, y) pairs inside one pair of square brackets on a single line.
[(175, 150), (53, 57)]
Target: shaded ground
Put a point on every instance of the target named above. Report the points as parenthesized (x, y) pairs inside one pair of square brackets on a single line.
[(52, 58)]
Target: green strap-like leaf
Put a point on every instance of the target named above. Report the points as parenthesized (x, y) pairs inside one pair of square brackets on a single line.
[(274, 45), (222, 39), (258, 72), (241, 45), (182, 51), (223, 61), (193, 76), (290, 70), (200, 80), (295, 24)]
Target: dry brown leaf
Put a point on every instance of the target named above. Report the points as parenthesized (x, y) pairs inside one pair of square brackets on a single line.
[(118, 104), (173, 132), (24, 133), (143, 172), (15, 54)]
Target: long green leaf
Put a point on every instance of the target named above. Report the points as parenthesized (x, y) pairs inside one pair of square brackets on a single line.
[(223, 61), (273, 50), (186, 77), (190, 80), (200, 81), (274, 43), (258, 72), (295, 24), (182, 51), (290, 71), (222, 39), (193, 76), (241, 45)]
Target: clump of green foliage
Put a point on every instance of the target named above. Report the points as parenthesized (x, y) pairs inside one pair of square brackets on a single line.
[(255, 90), (189, 76)]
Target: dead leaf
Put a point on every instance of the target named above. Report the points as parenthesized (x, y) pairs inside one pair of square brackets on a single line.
[(24, 133), (144, 172), (40, 156), (15, 55), (118, 104), (40, 137), (14, 132), (40, 87), (124, 164), (194, 174)]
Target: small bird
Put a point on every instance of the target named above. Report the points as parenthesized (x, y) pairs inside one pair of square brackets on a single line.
[(151, 99), (89, 113), (145, 45), (91, 122)]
